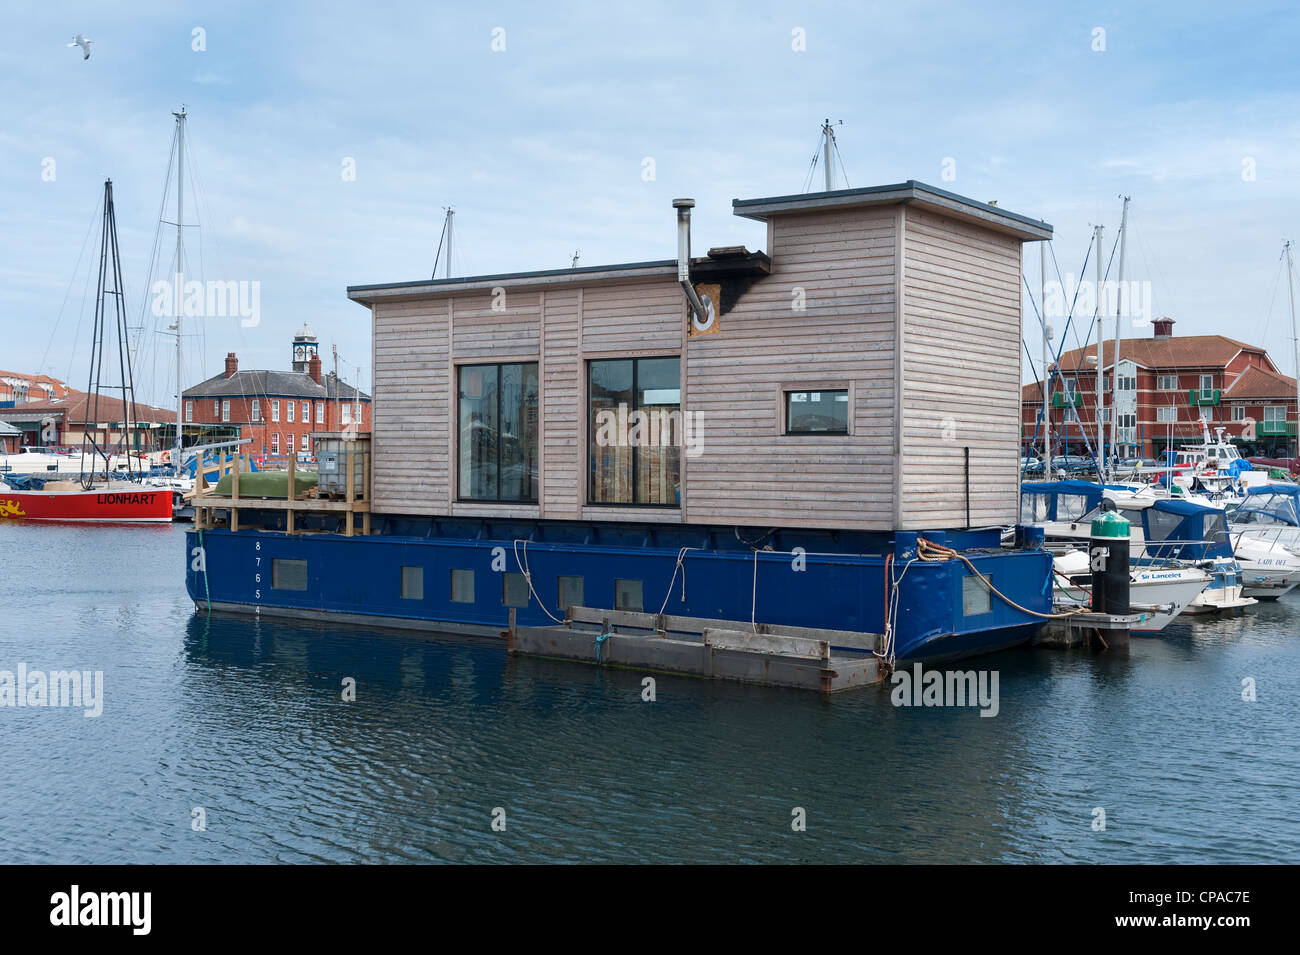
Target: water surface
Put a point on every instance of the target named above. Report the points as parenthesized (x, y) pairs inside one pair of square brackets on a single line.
[(243, 717)]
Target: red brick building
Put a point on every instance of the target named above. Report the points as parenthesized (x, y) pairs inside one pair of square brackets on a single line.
[(1166, 385), (18, 388), (280, 411)]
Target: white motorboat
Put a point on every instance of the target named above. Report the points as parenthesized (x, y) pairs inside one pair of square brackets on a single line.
[(1158, 593)]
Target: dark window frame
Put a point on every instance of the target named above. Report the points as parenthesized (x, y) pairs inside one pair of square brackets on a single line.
[(460, 450), (848, 412), (636, 449)]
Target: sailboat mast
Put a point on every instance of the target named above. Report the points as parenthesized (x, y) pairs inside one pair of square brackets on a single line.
[(1119, 309), (180, 282), (1047, 350), (826, 154), (1101, 395), (450, 224), (1295, 339)]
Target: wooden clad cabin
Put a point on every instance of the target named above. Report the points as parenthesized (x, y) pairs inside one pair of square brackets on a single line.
[(842, 380)]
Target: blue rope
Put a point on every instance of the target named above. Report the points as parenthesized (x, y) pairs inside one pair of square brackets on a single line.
[(600, 640)]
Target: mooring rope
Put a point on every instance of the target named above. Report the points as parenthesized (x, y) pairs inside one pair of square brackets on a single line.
[(600, 640), (528, 577), (928, 551), (206, 589), (681, 554)]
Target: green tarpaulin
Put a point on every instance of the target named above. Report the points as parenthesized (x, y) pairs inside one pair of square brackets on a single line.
[(272, 484)]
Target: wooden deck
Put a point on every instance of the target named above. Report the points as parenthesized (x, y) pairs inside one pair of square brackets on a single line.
[(353, 502)]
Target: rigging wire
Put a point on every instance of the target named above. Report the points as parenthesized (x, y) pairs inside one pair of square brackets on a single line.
[(76, 269)]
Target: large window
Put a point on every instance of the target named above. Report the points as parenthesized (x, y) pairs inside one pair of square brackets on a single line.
[(497, 408), (189, 412), (634, 426), (1167, 382), (256, 411), (817, 412)]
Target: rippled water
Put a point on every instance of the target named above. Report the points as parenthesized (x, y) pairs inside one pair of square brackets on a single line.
[(243, 718)]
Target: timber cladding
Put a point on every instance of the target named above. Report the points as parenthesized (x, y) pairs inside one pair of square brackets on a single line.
[(843, 282)]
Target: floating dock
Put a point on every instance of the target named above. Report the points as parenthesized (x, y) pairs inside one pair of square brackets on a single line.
[(823, 660)]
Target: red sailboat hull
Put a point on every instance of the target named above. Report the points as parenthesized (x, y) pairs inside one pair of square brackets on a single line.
[(99, 505)]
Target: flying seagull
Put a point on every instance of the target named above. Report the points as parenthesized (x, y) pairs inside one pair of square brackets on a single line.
[(81, 41)]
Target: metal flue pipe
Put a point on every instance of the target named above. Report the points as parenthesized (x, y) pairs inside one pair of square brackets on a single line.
[(684, 207)]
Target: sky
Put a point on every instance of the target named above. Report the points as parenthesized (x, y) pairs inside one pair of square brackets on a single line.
[(326, 139)]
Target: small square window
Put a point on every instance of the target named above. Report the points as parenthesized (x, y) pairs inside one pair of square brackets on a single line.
[(514, 590), (288, 574), (976, 598), (462, 586), (570, 592), (627, 595), (817, 412), (412, 583)]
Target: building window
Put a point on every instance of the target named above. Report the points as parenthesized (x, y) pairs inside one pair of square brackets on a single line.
[(1071, 386), (189, 412), (275, 409), (1274, 414), (346, 414), (216, 409), (225, 410), (817, 412), (1167, 382), (627, 595), (634, 431), (1166, 414), (289, 410), (288, 574), (497, 407), (306, 412), (412, 583), (514, 590), (570, 590), (306, 444), (320, 412), (462, 586), (1239, 413), (275, 442), (1207, 387), (255, 410), (1128, 383)]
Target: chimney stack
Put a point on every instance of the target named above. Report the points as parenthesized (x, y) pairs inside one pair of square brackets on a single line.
[(232, 364), (313, 368), (1164, 328)]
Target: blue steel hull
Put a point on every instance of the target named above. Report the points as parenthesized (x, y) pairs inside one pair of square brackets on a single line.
[(839, 582)]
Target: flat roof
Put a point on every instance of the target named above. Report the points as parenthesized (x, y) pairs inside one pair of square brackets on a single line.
[(589, 273), (912, 191)]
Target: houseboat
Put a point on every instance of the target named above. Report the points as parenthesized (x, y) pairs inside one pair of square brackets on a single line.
[(822, 435)]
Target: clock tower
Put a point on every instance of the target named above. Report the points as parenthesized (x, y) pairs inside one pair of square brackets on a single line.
[(305, 345)]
